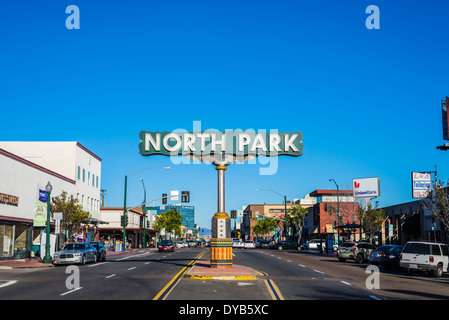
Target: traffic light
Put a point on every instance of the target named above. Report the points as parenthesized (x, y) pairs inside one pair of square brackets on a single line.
[(250, 215), (124, 221), (164, 198), (185, 196), (233, 214)]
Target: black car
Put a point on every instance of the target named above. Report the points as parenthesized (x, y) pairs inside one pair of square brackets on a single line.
[(283, 245), (389, 259)]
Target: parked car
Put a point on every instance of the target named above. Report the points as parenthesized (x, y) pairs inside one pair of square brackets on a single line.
[(101, 250), (249, 244), (356, 251), (374, 256), (266, 244), (237, 243), (166, 245), (312, 244), (425, 256), (286, 245), (75, 252), (390, 259)]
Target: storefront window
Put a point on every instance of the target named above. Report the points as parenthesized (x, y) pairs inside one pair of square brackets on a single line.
[(6, 240)]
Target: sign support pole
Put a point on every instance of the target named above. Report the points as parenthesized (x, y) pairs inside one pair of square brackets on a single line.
[(221, 241)]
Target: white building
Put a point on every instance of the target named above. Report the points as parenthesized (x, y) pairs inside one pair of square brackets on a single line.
[(25, 168)]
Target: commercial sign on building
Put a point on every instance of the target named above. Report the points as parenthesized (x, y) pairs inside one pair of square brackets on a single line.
[(200, 144), (9, 199), (421, 184), (366, 187)]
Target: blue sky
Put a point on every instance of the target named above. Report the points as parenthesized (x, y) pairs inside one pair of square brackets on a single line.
[(366, 101)]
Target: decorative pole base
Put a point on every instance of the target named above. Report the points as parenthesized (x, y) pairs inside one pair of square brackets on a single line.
[(221, 241)]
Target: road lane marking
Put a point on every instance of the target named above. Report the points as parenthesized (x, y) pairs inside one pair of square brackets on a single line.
[(112, 275), (318, 271), (301, 265), (273, 290), (123, 258), (131, 268), (163, 294), (97, 264), (347, 283), (76, 289), (8, 283)]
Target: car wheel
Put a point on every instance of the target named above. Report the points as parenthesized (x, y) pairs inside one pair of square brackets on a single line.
[(95, 258), (104, 257), (359, 258), (438, 273), (83, 260)]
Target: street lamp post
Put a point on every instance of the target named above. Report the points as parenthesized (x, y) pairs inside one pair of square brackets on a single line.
[(144, 212), (124, 203), (47, 258), (285, 208), (338, 211)]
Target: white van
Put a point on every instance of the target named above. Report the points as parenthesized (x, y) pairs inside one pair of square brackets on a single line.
[(425, 256)]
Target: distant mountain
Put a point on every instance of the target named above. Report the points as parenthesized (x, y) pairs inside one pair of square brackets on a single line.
[(205, 232)]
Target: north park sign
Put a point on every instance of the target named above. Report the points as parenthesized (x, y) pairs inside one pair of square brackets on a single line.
[(220, 147)]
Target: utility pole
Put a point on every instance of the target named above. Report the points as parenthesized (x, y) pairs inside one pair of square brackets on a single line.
[(102, 196)]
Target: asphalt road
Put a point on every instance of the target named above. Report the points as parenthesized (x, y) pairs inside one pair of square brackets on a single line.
[(145, 275)]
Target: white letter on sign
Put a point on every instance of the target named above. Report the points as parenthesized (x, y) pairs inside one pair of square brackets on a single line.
[(244, 140), (274, 142), (259, 143), (168, 137), (189, 140), (289, 142), (149, 140), (221, 142)]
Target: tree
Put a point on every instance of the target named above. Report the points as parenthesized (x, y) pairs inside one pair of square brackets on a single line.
[(170, 220), (296, 216), (265, 227), (73, 214), (371, 219), (437, 203)]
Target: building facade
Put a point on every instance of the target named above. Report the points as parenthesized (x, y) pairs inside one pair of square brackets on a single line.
[(25, 170), (411, 221), (112, 230)]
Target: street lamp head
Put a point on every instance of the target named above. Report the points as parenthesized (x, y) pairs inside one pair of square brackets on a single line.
[(48, 187)]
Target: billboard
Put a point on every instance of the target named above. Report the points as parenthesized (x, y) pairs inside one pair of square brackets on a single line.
[(421, 184), (366, 187)]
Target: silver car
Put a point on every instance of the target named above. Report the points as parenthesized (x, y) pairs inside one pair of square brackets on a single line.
[(75, 252)]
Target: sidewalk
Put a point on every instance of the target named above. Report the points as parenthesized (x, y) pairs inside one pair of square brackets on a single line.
[(37, 262)]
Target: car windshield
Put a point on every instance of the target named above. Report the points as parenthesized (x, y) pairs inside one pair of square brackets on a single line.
[(397, 249), (384, 248), (168, 242), (73, 246), (421, 248)]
